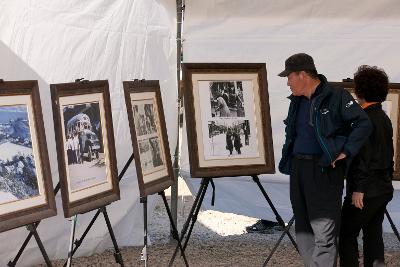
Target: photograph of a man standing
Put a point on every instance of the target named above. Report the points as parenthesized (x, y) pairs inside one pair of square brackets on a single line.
[(325, 128)]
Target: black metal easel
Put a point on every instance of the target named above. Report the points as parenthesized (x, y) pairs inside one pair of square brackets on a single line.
[(194, 211), (285, 231), (396, 232), (77, 243), (144, 250), (174, 230), (32, 232), (71, 240), (117, 253), (277, 216), (32, 229)]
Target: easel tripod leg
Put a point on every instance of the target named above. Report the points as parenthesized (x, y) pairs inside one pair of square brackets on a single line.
[(187, 222), (28, 238), (72, 237), (278, 217), (285, 231), (144, 250), (174, 230), (192, 209), (396, 232), (32, 229), (117, 254), (78, 243), (196, 212)]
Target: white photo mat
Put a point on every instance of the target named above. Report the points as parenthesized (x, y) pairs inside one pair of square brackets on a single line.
[(142, 98), (251, 97), (105, 182)]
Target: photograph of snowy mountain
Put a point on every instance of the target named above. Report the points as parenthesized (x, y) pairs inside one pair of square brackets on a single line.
[(18, 179)]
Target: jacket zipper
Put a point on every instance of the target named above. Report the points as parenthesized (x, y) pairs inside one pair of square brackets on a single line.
[(292, 126), (310, 121), (320, 138)]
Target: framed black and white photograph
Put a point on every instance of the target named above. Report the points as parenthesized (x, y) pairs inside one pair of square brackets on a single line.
[(85, 145), (227, 119), (229, 137), (226, 99), (392, 108), (26, 187), (149, 136)]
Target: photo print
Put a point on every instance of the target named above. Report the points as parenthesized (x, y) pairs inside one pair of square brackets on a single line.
[(149, 150), (18, 179), (83, 142), (146, 132), (226, 125), (144, 119), (228, 138), (226, 99)]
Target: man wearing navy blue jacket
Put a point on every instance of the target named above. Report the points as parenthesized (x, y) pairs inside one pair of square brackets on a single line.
[(324, 128)]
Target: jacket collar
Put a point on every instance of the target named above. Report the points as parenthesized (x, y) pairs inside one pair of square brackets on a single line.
[(374, 106), (325, 90)]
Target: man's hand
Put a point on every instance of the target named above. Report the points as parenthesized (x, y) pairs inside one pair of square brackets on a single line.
[(357, 200), (341, 156)]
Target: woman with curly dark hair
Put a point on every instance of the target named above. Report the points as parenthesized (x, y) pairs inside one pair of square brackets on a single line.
[(369, 181)]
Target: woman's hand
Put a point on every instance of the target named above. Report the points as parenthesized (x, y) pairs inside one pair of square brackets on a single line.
[(357, 199)]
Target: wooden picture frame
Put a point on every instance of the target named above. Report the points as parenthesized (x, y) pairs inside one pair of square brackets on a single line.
[(228, 119), (149, 136), (392, 108), (84, 133), (26, 186)]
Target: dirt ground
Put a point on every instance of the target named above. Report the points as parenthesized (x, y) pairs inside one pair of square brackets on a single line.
[(218, 239)]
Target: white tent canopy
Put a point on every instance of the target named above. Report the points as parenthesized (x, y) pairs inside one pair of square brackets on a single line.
[(340, 35), (59, 41)]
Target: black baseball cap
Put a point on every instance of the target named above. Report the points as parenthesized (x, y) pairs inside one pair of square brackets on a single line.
[(298, 62)]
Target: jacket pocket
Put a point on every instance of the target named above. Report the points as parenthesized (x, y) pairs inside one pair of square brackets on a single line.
[(328, 127), (336, 145)]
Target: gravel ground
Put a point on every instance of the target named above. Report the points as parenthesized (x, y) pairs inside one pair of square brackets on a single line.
[(218, 239)]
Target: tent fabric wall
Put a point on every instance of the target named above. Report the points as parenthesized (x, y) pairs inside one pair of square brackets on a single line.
[(59, 41), (340, 35)]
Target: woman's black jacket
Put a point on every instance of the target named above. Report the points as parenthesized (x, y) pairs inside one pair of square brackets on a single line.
[(371, 171)]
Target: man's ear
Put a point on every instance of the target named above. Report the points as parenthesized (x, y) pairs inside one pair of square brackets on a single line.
[(302, 74)]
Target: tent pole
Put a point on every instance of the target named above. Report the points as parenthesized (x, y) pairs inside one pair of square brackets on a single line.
[(176, 164)]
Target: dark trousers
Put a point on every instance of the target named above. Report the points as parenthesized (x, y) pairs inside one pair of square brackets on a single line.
[(316, 197), (369, 219)]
